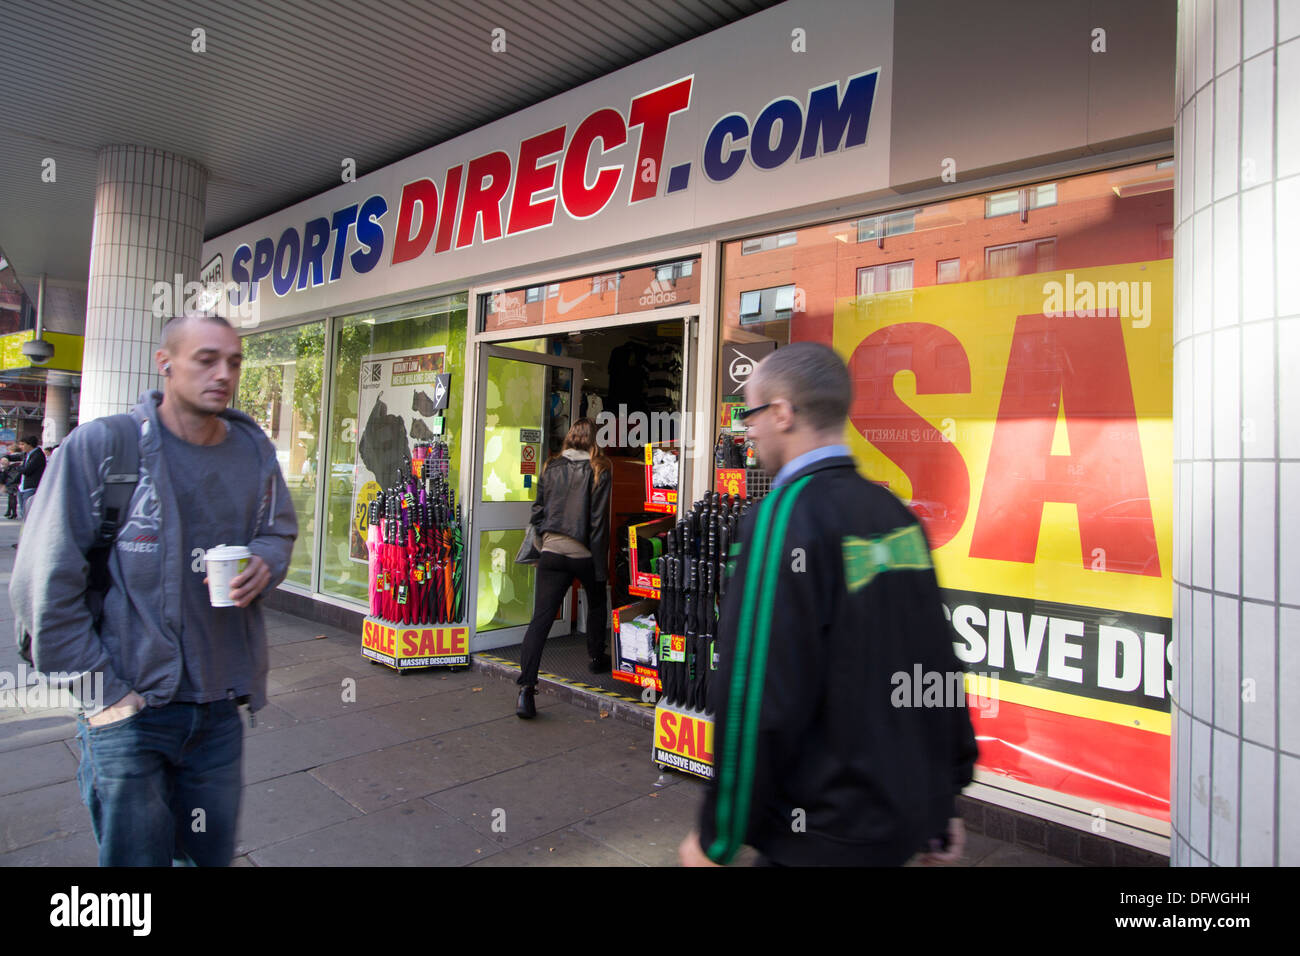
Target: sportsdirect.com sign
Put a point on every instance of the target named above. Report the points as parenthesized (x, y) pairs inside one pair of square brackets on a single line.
[(693, 137)]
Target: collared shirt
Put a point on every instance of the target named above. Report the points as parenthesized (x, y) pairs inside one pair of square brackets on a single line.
[(795, 465)]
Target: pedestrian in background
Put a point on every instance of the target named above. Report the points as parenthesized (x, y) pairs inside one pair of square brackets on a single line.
[(833, 594), (570, 519), (33, 468), (12, 464)]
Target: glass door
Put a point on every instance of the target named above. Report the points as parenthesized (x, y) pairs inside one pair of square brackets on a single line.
[(525, 408)]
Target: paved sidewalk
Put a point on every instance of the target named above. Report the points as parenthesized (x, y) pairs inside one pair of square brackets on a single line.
[(429, 768)]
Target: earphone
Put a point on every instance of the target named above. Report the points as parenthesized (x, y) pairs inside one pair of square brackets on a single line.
[(167, 369)]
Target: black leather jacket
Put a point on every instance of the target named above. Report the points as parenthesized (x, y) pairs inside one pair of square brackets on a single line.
[(566, 503)]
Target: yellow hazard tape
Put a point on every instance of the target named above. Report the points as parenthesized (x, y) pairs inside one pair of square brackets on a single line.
[(570, 683)]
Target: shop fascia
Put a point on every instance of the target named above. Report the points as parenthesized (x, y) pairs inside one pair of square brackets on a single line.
[(493, 197)]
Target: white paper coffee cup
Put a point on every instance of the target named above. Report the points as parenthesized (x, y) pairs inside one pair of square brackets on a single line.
[(224, 563)]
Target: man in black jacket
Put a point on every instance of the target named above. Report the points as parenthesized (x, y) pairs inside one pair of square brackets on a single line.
[(32, 469), (817, 759)]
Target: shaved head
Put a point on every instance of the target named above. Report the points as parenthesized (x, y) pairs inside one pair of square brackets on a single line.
[(174, 329), (813, 378)]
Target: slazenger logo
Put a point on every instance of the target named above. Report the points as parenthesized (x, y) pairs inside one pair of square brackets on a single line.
[(658, 293)]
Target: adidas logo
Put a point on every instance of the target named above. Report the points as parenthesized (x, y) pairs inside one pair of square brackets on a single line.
[(658, 292)]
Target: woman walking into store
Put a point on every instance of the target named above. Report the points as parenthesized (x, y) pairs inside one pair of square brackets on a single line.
[(571, 521)]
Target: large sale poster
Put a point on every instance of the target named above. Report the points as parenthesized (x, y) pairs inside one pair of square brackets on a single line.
[(1028, 420), (401, 399)]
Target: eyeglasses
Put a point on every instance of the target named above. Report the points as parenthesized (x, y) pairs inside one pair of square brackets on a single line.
[(750, 412)]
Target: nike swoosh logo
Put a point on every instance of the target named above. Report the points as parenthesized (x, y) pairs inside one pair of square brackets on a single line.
[(562, 306)]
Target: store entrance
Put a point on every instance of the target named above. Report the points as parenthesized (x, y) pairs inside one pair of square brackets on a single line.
[(632, 380)]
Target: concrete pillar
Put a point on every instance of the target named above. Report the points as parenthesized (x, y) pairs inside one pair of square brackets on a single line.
[(57, 400), (1236, 702), (149, 212)]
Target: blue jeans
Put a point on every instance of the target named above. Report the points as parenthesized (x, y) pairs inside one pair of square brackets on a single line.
[(25, 502), (163, 786)]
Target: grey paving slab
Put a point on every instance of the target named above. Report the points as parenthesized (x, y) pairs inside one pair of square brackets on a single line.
[(1011, 855), (414, 833), (978, 847), (648, 829), (415, 684), (268, 720), (310, 745), (287, 807), (39, 727), (534, 799), (39, 766), (242, 861), (77, 849), (557, 729), (381, 778), (45, 813), (564, 847), (300, 652), (335, 700), (627, 760), (293, 677), (453, 710)]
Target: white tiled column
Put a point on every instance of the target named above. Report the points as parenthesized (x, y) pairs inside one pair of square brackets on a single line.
[(1235, 768), (149, 209)]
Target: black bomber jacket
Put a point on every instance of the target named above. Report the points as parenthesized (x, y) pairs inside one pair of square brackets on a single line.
[(568, 504), (831, 605)]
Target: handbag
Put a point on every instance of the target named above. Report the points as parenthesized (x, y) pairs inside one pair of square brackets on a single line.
[(528, 551)]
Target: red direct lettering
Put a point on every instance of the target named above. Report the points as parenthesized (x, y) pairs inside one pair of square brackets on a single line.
[(458, 639), (940, 483), (410, 643), (651, 111), (1081, 364), (428, 646), (484, 199), (406, 246), (450, 197), (581, 201), (531, 179)]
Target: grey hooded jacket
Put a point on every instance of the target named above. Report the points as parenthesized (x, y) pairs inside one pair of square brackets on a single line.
[(137, 646)]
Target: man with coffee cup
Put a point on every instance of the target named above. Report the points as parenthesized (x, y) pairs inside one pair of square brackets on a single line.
[(161, 763)]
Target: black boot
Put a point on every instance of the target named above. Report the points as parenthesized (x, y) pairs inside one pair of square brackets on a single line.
[(526, 708), (599, 665)]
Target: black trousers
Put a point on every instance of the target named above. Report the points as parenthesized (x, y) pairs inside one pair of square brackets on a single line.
[(554, 575)]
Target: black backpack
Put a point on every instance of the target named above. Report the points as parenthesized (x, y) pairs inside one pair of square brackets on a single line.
[(119, 486)]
